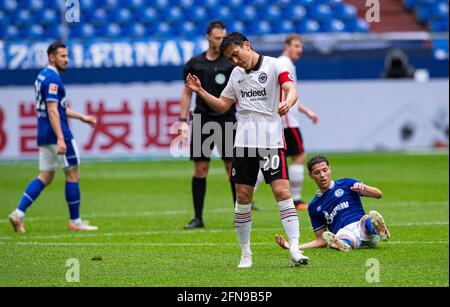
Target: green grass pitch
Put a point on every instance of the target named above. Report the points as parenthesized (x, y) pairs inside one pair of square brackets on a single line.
[(141, 208)]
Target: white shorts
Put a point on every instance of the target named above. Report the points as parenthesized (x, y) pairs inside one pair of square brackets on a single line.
[(49, 160), (357, 235)]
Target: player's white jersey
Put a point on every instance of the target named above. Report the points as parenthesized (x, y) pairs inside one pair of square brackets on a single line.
[(258, 93), (292, 119)]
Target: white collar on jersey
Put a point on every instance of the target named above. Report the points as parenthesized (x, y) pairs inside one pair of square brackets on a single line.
[(319, 194), (53, 68)]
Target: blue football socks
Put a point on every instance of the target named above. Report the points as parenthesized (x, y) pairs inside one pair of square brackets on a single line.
[(369, 226), (73, 199), (31, 194)]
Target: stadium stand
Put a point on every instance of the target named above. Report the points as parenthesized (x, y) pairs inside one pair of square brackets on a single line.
[(38, 19)]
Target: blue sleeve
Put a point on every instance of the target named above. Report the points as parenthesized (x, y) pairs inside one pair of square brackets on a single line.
[(50, 90), (317, 221), (349, 182)]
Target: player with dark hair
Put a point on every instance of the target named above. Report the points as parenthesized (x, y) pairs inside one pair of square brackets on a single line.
[(293, 49), (214, 71), (338, 208), (257, 85), (57, 147)]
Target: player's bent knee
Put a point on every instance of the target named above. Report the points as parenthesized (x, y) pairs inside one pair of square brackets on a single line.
[(46, 177)]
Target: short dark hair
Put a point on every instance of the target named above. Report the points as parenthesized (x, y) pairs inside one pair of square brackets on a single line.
[(234, 38), (216, 24), (54, 47), (292, 37), (316, 160)]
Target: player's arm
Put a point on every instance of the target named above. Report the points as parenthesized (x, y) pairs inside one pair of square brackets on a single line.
[(366, 190), (308, 112), (55, 122), (221, 104), (318, 242), (84, 118), (291, 95), (185, 104)]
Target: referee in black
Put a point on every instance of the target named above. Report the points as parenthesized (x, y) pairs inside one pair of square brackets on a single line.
[(214, 71)]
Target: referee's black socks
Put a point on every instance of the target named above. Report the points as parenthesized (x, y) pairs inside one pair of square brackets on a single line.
[(198, 195)]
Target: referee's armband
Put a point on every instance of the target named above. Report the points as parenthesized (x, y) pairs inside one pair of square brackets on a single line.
[(285, 77)]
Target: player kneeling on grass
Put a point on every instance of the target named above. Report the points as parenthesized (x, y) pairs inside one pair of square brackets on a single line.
[(338, 208)]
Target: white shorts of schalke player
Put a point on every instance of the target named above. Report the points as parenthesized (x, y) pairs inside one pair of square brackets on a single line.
[(355, 232), (49, 160)]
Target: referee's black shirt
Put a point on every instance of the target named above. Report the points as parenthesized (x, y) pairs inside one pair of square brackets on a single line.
[(214, 77)]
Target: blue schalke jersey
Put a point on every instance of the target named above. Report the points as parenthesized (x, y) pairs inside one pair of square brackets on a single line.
[(50, 89), (338, 207)]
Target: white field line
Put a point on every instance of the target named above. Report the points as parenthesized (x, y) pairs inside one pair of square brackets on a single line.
[(189, 211), (186, 232), (188, 244)]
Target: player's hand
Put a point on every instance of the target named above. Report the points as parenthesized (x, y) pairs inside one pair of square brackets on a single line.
[(193, 83), (358, 187), (61, 147), (183, 130), (314, 118), (283, 108), (90, 120)]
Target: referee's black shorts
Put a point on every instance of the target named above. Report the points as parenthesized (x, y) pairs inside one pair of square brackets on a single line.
[(208, 131)]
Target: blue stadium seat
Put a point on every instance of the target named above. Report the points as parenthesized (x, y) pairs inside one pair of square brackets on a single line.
[(271, 14), (248, 14), (262, 28), (345, 12), (284, 26), (358, 25), (112, 30), (135, 30), (55, 32), (258, 4), (36, 32), (236, 26), (9, 6), (99, 17), (440, 10), (198, 14), (321, 12), (296, 14), (23, 18), (87, 31), (224, 13), (333, 26), (110, 5), (235, 4), (175, 14), (306, 3), (36, 5), (123, 16), (284, 4), (162, 30), (161, 5), (88, 5), (308, 26), (189, 30), (148, 16), (12, 33)]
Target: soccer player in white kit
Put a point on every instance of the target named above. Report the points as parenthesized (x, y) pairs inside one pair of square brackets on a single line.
[(293, 49), (257, 85)]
